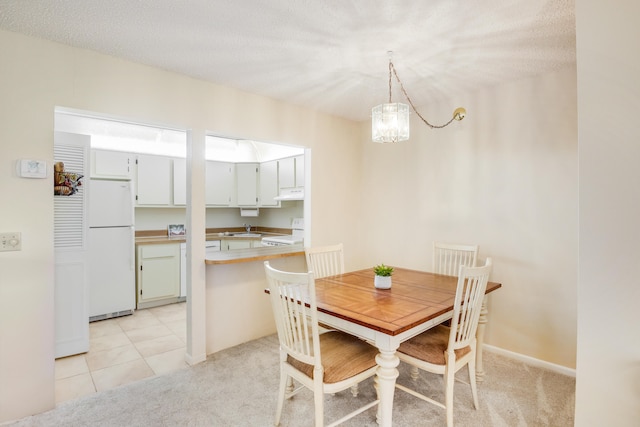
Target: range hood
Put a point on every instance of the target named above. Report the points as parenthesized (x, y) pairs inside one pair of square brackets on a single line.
[(295, 193)]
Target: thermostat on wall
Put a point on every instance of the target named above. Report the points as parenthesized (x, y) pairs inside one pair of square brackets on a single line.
[(28, 168)]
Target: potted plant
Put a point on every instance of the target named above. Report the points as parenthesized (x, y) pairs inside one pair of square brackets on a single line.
[(382, 279)]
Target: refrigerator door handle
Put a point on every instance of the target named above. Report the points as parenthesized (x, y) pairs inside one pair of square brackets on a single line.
[(132, 258)]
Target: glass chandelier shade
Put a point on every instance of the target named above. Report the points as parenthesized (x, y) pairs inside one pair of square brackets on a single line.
[(390, 122)]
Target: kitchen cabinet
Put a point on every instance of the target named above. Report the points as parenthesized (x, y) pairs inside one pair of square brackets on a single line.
[(162, 181), (179, 182), (111, 164), (210, 248), (299, 168), (286, 172), (158, 274), (291, 172), (231, 244), (153, 180), (268, 182), (247, 184), (219, 183), (238, 244)]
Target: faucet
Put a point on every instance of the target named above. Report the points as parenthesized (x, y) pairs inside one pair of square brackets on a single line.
[(247, 227)]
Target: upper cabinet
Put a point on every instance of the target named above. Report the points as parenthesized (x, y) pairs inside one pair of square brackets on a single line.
[(268, 183), (111, 164), (219, 183), (179, 182), (291, 172), (161, 181), (255, 184), (247, 184), (287, 172), (153, 180), (299, 163)]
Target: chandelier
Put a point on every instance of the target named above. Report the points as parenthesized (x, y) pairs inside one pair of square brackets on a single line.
[(390, 121)]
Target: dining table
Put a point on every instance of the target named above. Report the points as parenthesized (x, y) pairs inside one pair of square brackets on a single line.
[(416, 301)]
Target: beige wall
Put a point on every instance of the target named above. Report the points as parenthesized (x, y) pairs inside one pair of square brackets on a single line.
[(505, 178), (35, 77), (607, 387), (514, 159)]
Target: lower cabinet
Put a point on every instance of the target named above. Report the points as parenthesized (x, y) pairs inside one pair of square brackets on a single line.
[(237, 244), (158, 274), (231, 244)]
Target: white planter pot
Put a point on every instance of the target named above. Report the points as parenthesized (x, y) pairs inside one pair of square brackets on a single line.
[(382, 282)]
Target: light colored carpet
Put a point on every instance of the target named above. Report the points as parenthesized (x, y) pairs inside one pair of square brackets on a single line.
[(238, 386)]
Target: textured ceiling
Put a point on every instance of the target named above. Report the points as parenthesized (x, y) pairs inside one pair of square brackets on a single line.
[(329, 55)]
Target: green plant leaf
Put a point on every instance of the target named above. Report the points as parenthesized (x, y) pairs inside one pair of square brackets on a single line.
[(383, 270)]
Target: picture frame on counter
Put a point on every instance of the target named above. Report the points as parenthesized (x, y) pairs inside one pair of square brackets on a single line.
[(174, 230)]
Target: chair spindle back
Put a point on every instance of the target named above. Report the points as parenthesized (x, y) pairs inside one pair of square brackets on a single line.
[(447, 258)]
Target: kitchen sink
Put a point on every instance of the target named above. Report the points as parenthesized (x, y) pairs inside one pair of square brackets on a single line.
[(246, 235)]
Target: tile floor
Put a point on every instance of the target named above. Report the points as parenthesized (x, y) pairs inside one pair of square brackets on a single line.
[(125, 349)]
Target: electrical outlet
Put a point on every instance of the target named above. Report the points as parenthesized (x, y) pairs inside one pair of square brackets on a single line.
[(10, 241)]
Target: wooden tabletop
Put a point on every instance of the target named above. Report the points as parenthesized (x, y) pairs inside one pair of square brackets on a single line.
[(414, 298)]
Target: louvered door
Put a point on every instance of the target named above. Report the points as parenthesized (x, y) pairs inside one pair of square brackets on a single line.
[(70, 242)]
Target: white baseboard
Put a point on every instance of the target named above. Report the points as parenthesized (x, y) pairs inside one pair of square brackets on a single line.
[(531, 360), (194, 360)]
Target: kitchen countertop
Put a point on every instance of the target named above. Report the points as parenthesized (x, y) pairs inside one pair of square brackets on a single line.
[(254, 254), (236, 255), (155, 240)]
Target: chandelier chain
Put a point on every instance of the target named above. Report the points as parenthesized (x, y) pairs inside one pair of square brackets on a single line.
[(406, 95)]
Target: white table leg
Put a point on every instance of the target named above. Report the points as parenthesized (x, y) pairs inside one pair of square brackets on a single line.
[(385, 382), (482, 322)]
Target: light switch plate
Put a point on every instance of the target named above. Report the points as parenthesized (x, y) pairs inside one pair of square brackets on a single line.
[(11, 241)]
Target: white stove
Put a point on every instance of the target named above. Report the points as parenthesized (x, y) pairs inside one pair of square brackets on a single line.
[(296, 237)]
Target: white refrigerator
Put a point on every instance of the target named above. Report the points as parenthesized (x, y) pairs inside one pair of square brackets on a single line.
[(112, 287)]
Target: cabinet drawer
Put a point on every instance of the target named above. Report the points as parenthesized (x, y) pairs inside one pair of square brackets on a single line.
[(160, 251)]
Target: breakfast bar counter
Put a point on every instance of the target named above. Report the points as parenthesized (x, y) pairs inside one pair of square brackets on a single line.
[(254, 254), (236, 306)]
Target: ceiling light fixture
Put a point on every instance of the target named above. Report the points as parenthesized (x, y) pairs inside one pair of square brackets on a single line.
[(390, 122)]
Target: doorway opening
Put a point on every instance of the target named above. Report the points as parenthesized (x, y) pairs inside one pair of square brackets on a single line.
[(112, 142)]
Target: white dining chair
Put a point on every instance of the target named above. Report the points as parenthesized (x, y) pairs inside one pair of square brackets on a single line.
[(323, 363), (325, 260), (445, 350), (448, 257)]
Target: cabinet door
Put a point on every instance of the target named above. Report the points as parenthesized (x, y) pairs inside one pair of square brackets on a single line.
[(247, 179), (158, 272), (269, 183), (219, 176), (238, 244), (299, 171), (231, 244), (212, 247), (154, 180), (179, 182), (111, 164), (286, 173)]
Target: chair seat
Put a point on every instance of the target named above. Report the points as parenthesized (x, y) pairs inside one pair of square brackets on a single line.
[(431, 350), (343, 356), (431, 345), (343, 361)]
